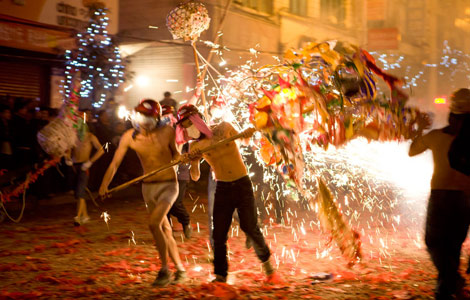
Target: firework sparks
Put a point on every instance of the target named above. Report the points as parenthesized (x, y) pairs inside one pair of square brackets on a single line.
[(106, 217)]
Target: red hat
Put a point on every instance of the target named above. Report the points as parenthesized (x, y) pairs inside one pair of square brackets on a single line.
[(185, 111), (167, 109), (150, 108)]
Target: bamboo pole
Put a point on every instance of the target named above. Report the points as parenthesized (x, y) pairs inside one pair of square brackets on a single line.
[(174, 163), (200, 79)]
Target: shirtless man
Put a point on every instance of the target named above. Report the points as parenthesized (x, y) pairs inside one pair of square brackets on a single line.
[(233, 187), (155, 147), (448, 211), (79, 159)]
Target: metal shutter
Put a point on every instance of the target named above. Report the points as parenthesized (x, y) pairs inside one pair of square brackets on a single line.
[(20, 79)]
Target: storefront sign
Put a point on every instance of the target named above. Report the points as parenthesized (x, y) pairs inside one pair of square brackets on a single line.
[(66, 13), (34, 38)]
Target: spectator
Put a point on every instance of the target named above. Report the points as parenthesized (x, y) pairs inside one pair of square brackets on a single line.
[(6, 150), (167, 100), (23, 135)]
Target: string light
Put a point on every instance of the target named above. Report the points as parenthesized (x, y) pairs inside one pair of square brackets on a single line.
[(98, 60)]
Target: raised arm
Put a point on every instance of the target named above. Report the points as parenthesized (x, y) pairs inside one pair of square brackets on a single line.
[(419, 145), (117, 159)]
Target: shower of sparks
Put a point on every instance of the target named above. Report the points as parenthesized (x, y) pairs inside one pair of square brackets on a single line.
[(106, 217), (132, 239), (378, 187)]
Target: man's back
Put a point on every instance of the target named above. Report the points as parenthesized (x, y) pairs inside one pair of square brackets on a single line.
[(444, 176), (82, 150)]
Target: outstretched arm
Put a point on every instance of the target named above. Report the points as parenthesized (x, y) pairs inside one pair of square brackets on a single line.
[(117, 159), (419, 145), (197, 93)]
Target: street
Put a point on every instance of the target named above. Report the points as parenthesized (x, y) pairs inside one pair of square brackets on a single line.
[(46, 257)]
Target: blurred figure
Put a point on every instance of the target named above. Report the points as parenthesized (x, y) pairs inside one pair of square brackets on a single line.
[(178, 209), (23, 135), (104, 131), (79, 159), (104, 127), (6, 149), (167, 100), (448, 213)]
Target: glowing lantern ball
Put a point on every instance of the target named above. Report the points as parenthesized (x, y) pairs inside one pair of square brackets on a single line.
[(188, 20)]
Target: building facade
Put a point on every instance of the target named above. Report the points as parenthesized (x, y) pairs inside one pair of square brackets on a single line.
[(33, 38)]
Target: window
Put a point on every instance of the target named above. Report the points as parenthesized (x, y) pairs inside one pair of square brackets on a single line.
[(298, 7), (333, 11), (265, 6)]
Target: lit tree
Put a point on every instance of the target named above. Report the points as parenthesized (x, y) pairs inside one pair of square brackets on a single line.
[(96, 57)]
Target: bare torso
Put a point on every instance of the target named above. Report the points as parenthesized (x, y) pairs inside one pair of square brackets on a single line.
[(81, 152), (444, 177), (154, 150), (226, 160)]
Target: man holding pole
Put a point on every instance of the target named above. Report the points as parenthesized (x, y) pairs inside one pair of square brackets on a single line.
[(155, 146), (233, 188)]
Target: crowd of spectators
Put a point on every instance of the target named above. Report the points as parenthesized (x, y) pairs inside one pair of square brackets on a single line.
[(20, 121)]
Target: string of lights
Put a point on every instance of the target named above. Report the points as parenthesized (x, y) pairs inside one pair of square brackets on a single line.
[(97, 58)]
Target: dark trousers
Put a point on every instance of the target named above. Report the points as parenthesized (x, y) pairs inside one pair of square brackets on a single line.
[(178, 209), (78, 180), (228, 197), (447, 224)]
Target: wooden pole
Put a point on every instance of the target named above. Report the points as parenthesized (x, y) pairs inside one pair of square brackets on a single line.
[(202, 74), (200, 79), (217, 36), (174, 163)]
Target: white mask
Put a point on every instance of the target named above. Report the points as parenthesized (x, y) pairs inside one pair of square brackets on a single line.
[(144, 122), (193, 132)]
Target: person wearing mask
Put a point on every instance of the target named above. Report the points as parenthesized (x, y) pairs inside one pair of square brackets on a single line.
[(155, 147), (234, 189)]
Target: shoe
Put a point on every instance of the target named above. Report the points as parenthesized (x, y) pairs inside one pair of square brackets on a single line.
[(163, 278), (188, 231), (180, 276), (248, 243), (268, 268), (84, 220), (76, 221), (220, 278)]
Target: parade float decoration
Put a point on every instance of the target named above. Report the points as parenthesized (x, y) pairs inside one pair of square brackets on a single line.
[(187, 21), (60, 135), (324, 95)]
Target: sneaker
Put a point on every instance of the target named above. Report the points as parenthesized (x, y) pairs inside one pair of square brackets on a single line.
[(188, 231), (248, 243), (180, 276), (220, 278), (76, 221), (84, 220), (163, 278)]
